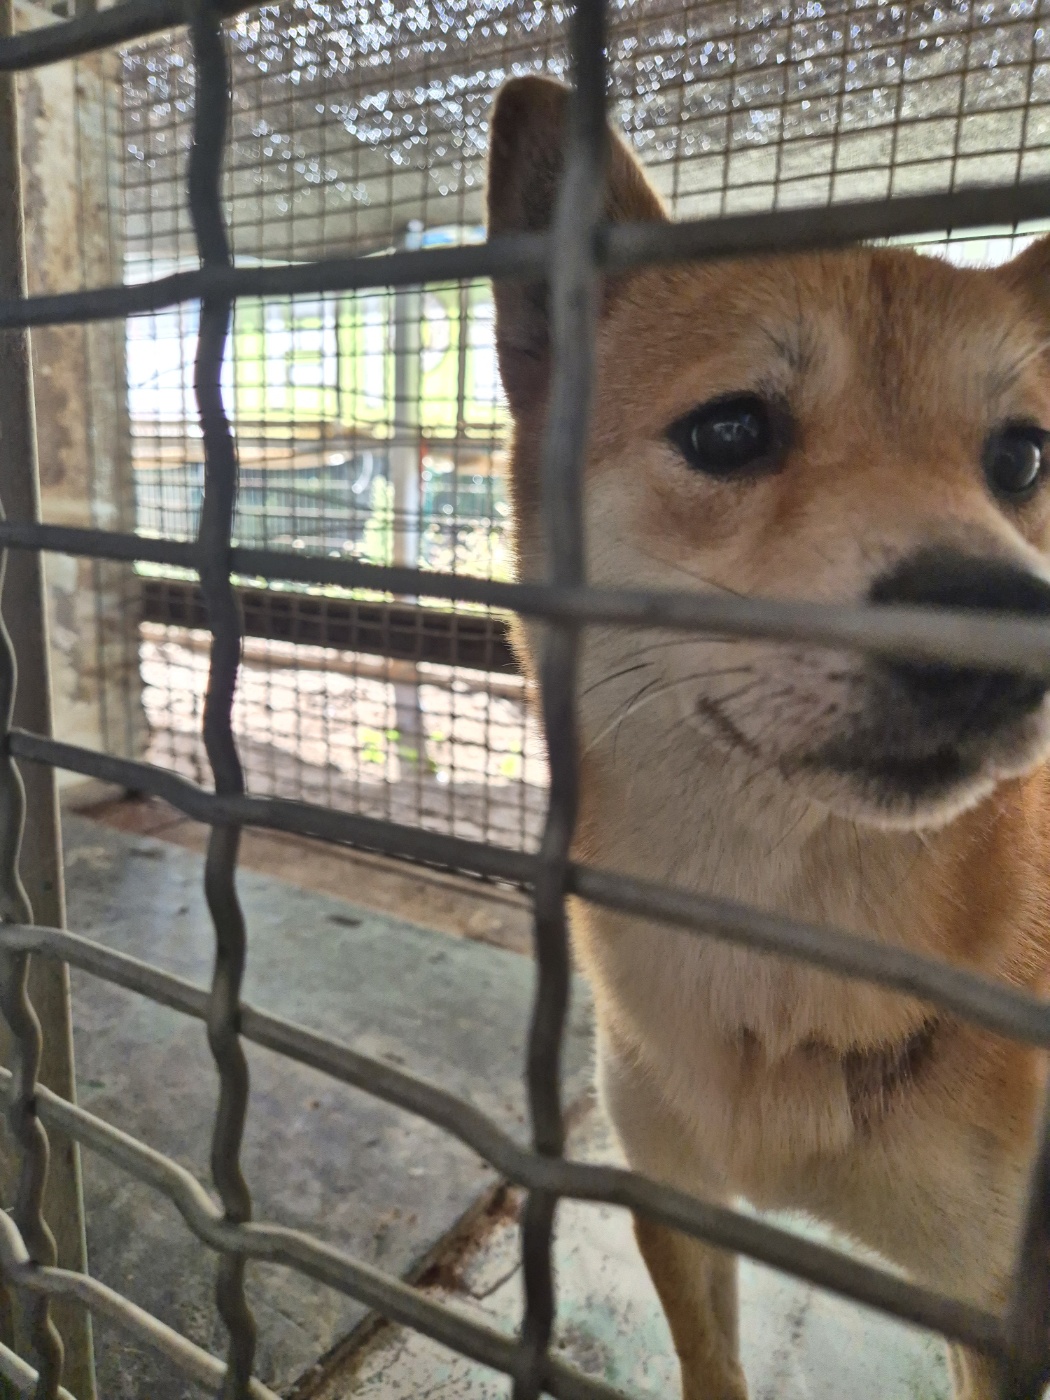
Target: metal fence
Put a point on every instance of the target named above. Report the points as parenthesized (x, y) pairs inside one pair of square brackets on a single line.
[(571, 257), (369, 423)]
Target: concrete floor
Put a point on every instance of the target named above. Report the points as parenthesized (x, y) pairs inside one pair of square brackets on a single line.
[(797, 1343), (443, 903), (375, 1181), (317, 1155)]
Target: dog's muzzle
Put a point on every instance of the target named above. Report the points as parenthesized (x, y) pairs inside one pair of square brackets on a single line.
[(923, 731), (962, 701)]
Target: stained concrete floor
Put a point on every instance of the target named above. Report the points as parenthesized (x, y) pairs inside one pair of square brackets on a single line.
[(797, 1343), (317, 1155), (375, 1181)]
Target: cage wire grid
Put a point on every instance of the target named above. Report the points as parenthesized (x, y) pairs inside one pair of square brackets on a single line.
[(361, 129), (567, 603), (388, 451)]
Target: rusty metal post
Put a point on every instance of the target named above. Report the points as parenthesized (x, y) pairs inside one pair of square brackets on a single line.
[(41, 859)]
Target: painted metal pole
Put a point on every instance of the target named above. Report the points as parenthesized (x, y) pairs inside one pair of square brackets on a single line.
[(406, 485), (24, 612)]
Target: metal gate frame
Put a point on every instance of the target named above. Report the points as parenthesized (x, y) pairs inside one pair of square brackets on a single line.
[(584, 247)]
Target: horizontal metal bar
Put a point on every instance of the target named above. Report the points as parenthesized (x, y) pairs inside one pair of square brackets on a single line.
[(142, 1326), (282, 814), (510, 255), (780, 1249), (23, 1376), (98, 544), (827, 226), (619, 246), (103, 29), (999, 640), (18, 1269), (398, 631), (993, 1005), (298, 1043)]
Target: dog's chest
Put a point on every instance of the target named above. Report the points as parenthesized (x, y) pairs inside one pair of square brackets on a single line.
[(752, 1050), (771, 856), (740, 1050)]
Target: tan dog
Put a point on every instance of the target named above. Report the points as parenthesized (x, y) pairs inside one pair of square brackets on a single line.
[(846, 427)]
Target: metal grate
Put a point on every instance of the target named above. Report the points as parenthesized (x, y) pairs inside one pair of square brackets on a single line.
[(369, 422), (570, 257)]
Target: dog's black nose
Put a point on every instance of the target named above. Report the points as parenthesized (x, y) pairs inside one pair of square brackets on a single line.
[(950, 579)]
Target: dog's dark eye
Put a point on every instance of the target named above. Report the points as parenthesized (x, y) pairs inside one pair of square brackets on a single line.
[(1013, 461), (730, 436)]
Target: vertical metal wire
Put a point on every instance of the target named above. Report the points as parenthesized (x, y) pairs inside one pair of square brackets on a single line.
[(574, 295), (211, 116), (1029, 1313), (18, 462), (18, 1011)]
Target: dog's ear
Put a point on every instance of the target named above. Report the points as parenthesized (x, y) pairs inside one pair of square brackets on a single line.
[(1029, 274), (526, 148)]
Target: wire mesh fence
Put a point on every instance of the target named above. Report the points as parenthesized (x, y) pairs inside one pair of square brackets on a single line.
[(368, 425), (789, 130), (371, 423)]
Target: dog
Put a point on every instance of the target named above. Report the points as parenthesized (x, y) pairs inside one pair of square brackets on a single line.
[(860, 426)]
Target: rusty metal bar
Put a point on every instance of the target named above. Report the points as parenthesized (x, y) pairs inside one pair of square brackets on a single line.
[(211, 116), (36, 1175)]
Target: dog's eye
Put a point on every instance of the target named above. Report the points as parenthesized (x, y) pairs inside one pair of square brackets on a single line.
[(730, 436), (1013, 461)]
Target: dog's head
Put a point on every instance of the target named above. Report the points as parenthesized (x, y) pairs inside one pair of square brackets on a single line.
[(847, 427)]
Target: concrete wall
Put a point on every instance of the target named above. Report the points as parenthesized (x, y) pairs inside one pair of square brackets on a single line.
[(71, 173)]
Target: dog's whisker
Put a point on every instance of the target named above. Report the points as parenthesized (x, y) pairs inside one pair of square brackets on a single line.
[(607, 680), (641, 697), (690, 640), (786, 835), (686, 573), (623, 711)]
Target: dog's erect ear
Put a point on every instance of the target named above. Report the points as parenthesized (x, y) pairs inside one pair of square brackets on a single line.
[(526, 149), (1029, 273)]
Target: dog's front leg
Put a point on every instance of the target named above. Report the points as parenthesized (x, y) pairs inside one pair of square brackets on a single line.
[(696, 1285), (974, 1377)]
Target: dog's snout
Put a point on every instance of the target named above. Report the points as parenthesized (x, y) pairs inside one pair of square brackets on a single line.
[(949, 579), (952, 579)]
